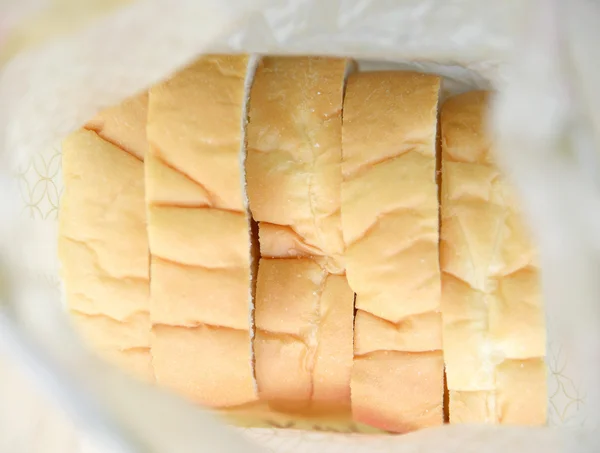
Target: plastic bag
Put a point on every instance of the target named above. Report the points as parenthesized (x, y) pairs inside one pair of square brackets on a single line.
[(540, 56)]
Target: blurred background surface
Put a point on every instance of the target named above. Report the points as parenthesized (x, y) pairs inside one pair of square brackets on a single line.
[(29, 423)]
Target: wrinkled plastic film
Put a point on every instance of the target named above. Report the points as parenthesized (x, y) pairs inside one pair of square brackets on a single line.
[(471, 44)]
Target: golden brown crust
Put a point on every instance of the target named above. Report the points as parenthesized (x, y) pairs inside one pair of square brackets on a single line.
[(333, 360), (472, 407), (395, 128), (492, 310), (390, 228), (287, 295), (103, 247), (124, 125), (283, 374), (304, 315), (398, 391), (103, 332), (521, 392), (493, 323), (104, 188), (175, 188), (202, 237), (279, 241), (417, 333), (199, 233), (209, 365), (194, 126), (177, 300), (294, 148), (303, 345), (389, 194), (90, 287), (464, 136)]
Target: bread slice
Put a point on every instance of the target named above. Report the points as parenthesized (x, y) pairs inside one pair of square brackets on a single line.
[(333, 356), (199, 230), (494, 334), (303, 342), (103, 246), (124, 125), (288, 292), (390, 229), (398, 391), (294, 155), (105, 333), (304, 306), (206, 364)]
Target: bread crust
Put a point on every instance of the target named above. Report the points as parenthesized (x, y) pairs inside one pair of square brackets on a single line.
[(304, 306), (390, 228), (494, 332), (199, 232), (102, 245)]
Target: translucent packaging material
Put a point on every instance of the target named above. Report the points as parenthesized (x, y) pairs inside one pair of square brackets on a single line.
[(539, 56)]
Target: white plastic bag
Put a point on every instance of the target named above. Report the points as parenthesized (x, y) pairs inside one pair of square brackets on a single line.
[(539, 55)]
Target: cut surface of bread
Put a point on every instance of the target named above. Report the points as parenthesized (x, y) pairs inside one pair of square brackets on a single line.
[(304, 306), (494, 333), (103, 246), (199, 232), (390, 228)]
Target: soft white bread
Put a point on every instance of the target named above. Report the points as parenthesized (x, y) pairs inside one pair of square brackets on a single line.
[(390, 228), (398, 391), (421, 332), (494, 334), (303, 344), (389, 192), (287, 293), (204, 236), (200, 295), (303, 340), (125, 344), (206, 364), (103, 332), (124, 125), (194, 127), (286, 318), (199, 232), (294, 155), (103, 247), (518, 397), (304, 315), (95, 281), (278, 241), (333, 361)]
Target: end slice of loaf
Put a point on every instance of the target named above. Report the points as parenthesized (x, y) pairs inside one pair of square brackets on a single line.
[(494, 334), (103, 246)]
